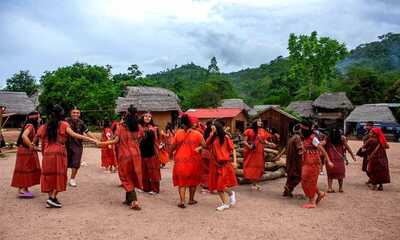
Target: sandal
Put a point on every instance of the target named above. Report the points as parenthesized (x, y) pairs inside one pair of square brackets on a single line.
[(309, 206), (192, 202), (380, 188), (341, 191), (181, 205), (331, 191), (320, 197), (136, 207)]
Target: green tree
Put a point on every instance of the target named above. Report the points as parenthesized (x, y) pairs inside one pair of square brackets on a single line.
[(85, 86), (313, 62), (134, 72), (213, 67), (22, 81), (364, 85)]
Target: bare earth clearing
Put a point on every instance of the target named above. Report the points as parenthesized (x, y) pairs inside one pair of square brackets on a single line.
[(93, 210)]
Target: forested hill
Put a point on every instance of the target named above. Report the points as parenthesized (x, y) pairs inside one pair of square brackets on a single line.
[(271, 82)]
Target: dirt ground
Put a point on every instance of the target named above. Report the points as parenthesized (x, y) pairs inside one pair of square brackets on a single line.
[(94, 210)]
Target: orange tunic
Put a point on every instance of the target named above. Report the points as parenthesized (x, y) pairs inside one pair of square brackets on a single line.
[(27, 167), (128, 157), (54, 162), (310, 167), (222, 174), (254, 162), (108, 157), (187, 167), (165, 149)]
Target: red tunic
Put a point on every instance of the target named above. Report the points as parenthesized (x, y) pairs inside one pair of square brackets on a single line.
[(27, 167), (186, 172), (222, 174), (205, 166), (378, 164), (54, 162), (310, 167), (165, 149), (254, 162), (336, 155), (108, 157), (128, 157)]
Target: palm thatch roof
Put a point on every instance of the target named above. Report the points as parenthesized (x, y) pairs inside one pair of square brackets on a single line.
[(260, 108), (277, 109), (371, 112), (152, 99), (234, 103), (16, 102), (302, 108), (336, 100)]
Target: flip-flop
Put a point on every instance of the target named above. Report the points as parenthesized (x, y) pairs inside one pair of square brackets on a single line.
[(193, 202), (320, 197), (341, 191), (309, 206), (26, 195), (331, 191)]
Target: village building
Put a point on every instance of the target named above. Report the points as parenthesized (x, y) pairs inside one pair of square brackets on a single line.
[(380, 114), (303, 109), (234, 103), (331, 109), (162, 103), (17, 106), (281, 121), (234, 118)]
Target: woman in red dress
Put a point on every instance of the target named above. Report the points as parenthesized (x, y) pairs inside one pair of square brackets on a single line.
[(310, 169), (205, 159), (223, 177), (165, 144), (336, 147), (149, 150), (108, 158), (27, 167), (127, 137), (254, 162), (378, 164), (53, 136), (187, 145)]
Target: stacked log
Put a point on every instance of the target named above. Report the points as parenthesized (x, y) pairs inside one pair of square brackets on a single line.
[(272, 170)]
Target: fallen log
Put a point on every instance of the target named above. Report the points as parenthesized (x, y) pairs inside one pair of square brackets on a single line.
[(267, 176)]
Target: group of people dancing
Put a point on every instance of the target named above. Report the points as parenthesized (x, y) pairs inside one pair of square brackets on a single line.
[(206, 156)]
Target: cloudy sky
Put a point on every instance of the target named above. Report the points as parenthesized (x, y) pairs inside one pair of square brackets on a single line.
[(40, 35)]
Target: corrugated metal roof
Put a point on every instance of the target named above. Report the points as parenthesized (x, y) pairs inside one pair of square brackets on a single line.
[(202, 113)]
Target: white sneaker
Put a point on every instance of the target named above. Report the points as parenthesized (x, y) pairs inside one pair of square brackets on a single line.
[(232, 198), (322, 173), (139, 190), (223, 207), (72, 183), (152, 193)]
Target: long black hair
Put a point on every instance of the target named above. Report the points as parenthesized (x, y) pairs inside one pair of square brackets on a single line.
[(335, 137), (56, 115), (308, 130), (30, 119), (208, 130), (254, 126), (185, 121), (220, 131), (131, 120)]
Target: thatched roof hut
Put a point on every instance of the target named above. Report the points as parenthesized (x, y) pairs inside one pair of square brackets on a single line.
[(259, 108), (18, 105), (162, 103), (234, 103), (337, 100), (152, 99), (16, 102), (302, 108), (371, 112)]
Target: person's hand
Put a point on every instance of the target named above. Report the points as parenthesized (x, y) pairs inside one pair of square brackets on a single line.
[(198, 149), (354, 159), (213, 129), (272, 145), (275, 159), (330, 164), (235, 166)]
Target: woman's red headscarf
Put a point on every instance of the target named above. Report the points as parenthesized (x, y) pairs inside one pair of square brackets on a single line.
[(380, 135)]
